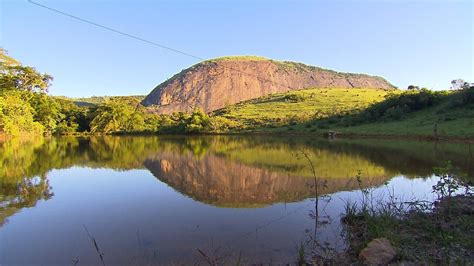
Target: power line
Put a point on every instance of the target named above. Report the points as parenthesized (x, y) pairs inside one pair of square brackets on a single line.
[(114, 30), (150, 42)]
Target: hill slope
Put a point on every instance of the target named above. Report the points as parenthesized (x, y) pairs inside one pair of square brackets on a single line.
[(214, 84), (300, 106), (359, 111)]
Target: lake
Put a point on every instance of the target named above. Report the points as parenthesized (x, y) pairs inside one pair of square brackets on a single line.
[(181, 200)]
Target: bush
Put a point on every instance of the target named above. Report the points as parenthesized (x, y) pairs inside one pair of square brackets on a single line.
[(222, 124), (16, 115), (293, 98), (118, 115), (198, 122)]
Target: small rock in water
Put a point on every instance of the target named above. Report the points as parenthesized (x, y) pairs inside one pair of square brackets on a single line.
[(378, 252)]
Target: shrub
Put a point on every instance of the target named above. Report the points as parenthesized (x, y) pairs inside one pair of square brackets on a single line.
[(293, 98)]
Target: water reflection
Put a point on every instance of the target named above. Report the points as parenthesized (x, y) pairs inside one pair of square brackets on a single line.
[(246, 176), (224, 171)]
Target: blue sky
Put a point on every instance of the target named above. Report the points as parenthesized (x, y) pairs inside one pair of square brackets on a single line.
[(427, 43)]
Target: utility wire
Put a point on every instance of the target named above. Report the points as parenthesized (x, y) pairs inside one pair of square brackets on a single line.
[(114, 30), (150, 42)]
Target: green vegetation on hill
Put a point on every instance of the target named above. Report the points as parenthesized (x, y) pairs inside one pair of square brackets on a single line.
[(411, 113), (238, 58), (96, 100), (358, 111), (296, 107), (284, 65)]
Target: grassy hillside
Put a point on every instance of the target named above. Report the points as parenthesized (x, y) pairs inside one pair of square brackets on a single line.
[(296, 107), (95, 100), (358, 111), (449, 122)]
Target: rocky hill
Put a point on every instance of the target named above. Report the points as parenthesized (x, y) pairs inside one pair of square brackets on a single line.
[(214, 84)]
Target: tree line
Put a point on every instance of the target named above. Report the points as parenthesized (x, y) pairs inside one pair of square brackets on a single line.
[(26, 108)]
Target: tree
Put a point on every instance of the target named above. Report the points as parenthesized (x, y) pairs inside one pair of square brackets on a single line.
[(413, 88), (118, 115), (16, 115), (15, 76), (198, 122), (46, 111), (459, 84), (23, 78), (7, 60)]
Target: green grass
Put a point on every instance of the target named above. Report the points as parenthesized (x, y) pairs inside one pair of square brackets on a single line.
[(440, 237), (300, 106), (450, 122), (95, 100), (318, 111), (238, 58)]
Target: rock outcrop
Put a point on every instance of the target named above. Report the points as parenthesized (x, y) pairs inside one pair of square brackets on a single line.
[(378, 252), (214, 84)]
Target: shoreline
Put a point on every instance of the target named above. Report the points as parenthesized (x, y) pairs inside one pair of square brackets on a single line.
[(350, 136), (277, 134), (440, 234)]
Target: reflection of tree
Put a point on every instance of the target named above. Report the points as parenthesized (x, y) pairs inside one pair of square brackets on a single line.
[(230, 169), (25, 193), (408, 157)]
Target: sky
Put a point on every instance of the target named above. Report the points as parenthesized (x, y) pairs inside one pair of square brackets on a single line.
[(425, 43)]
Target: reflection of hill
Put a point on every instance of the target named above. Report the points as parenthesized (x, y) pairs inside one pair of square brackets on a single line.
[(223, 182), (223, 170)]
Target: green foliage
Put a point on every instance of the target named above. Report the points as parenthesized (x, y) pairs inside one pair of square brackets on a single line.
[(6, 60), (46, 111), (449, 182), (27, 109), (450, 112), (461, 98), (219, 124), (16, 115), (294, 98), (198, 122), (118, 115), (15, 76), (428, 232), (395, 106), (459, 84), (300, 106), (95, 100), (179, 122), (25, 112)]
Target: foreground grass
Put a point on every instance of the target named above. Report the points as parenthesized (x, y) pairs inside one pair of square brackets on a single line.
[(443, 236)]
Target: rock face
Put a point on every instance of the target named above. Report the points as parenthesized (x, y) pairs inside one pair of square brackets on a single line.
[(214, 84)]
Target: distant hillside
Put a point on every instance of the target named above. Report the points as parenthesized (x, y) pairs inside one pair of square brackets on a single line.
[(94, 100), (216, 83)]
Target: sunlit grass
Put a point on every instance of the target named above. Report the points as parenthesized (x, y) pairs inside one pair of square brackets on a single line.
[(303, 105)]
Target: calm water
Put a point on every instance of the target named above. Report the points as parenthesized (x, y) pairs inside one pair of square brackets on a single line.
[(158, 200)]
